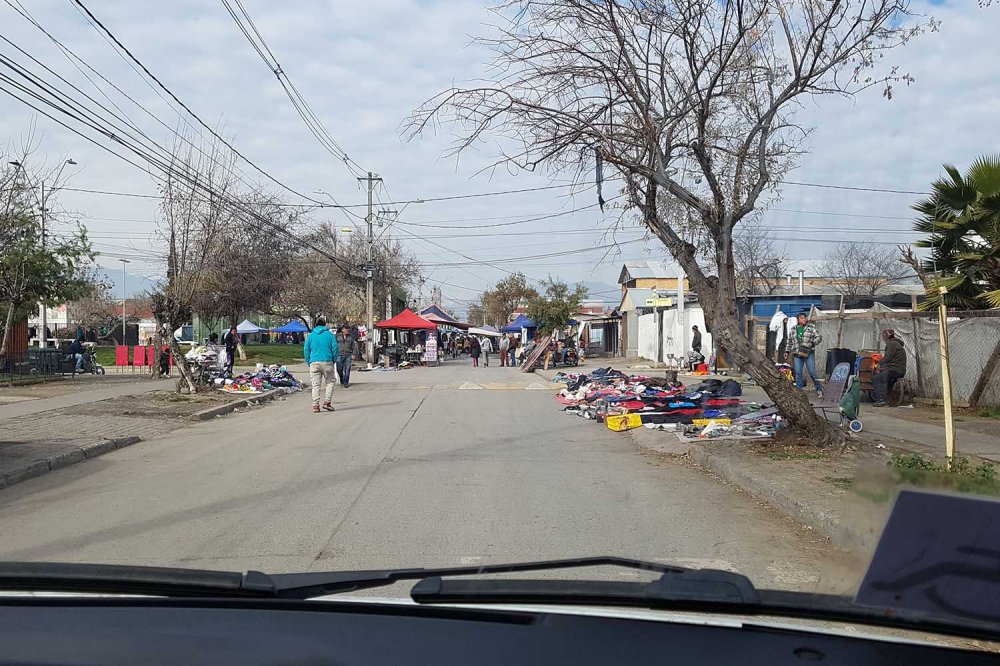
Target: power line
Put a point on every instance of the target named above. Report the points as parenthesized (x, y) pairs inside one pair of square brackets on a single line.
[(99, 25), (847, 187), (305, 112)]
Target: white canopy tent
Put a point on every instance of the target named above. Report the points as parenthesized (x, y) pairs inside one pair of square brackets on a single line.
[(485, 331), (247, 326)]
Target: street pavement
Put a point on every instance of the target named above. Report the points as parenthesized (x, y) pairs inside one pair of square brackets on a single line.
[(427, 467)]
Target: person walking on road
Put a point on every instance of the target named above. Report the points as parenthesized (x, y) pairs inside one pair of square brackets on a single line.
[(345, 355), (474, 351), (802, 346), (891, 368), (487, 347), (504, 345), (321, 352), (512, 352)]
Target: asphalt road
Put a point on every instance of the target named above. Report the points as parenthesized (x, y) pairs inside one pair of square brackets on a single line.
[(415, 468)]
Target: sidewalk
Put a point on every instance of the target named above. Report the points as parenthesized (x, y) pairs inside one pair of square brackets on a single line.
[(844, 495), (41, 434), (84, 396)]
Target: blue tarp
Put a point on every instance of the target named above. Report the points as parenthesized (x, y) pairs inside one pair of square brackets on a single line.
[(294, 326), (521, 322)]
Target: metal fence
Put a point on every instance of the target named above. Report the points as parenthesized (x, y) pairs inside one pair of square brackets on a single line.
[(34, 365), (973, 341)]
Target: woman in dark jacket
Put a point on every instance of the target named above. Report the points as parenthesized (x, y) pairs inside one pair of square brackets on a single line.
[(232, 341), (474, 351)]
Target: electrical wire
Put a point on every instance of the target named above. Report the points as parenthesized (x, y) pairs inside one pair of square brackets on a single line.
[(93, 20), (305, 112)]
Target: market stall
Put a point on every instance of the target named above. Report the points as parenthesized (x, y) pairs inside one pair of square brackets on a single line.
[(523, 326), (488, 331), (247, 327), (412, 348), (294, 328)]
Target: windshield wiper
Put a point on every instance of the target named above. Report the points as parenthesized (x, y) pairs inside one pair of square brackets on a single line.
[(674, 589), (125, 579), (162, 581)]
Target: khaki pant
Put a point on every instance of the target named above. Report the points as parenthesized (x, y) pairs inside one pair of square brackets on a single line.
[(320, 371)]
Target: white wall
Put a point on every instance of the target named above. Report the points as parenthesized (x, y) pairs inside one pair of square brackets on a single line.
[(648, 338), (672, 340)]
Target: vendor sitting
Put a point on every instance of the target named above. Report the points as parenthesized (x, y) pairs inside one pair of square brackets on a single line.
[(892, 367)]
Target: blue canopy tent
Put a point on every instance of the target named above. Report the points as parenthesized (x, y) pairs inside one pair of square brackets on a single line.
[(523, 326), (294, 326), (515, 326)]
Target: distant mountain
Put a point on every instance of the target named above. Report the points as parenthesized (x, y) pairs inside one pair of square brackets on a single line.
[(135, 285), (609, 293)]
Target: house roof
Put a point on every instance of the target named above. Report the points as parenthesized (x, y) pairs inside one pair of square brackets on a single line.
[(831, 290), (436, 309), (633, 270)]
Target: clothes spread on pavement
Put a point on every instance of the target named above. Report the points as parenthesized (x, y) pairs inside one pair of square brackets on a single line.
[(711, 408), (262, 379)]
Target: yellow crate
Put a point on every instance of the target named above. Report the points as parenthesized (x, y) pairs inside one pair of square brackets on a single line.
[(705, 422), (620, 422)]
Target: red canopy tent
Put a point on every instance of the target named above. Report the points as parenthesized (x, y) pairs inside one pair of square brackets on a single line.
[(407, 320)]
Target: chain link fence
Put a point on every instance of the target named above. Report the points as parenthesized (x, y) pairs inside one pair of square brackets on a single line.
[(973, 341)]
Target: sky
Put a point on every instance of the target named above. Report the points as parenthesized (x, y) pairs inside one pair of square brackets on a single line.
[(363, 67)]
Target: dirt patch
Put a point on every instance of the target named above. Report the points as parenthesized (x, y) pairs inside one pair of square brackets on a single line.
[(965, 419), (156, 405)]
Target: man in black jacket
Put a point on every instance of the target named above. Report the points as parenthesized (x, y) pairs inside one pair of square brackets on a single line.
[(891, 368)]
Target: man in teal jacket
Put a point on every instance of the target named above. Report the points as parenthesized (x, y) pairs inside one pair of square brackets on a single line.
[(320, 353)]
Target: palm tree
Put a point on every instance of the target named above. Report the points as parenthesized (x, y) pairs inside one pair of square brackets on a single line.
[(962, 218)]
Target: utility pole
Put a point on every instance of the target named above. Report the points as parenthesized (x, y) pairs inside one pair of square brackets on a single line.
[(43, 340), (124, 263), (371, 179), (43, 337)]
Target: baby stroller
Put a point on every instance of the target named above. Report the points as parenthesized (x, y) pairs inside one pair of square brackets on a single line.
[(842, 398)]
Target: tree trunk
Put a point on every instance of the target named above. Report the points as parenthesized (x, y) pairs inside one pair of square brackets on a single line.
[(717, 296), (6, 329), (720, 312), (182, 366)]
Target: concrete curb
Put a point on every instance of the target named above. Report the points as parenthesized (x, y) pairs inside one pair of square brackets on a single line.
[(841, 533), (220, 410), (64, 459)]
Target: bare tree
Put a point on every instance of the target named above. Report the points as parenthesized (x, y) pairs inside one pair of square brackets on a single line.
[(668, 89), (197, 191), (326, 277), (252, 262), (863, 269), (759, 263)]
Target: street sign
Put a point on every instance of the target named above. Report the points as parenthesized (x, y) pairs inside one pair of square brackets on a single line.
[(659, 302), (431, 349)]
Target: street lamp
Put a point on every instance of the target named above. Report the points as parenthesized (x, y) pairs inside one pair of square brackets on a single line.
[(124, 263)]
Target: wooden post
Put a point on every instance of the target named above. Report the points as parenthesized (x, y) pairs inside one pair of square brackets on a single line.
[(949, 422), (840, 321)]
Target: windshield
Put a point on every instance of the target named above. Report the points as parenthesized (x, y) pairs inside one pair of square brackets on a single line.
[(342, 286)]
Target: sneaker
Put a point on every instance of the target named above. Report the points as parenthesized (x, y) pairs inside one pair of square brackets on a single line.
[(315, 409), (880, 403), (327, 407)]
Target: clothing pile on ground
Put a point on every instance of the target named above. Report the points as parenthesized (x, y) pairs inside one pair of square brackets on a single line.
[(265, 378), (711, 408)]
